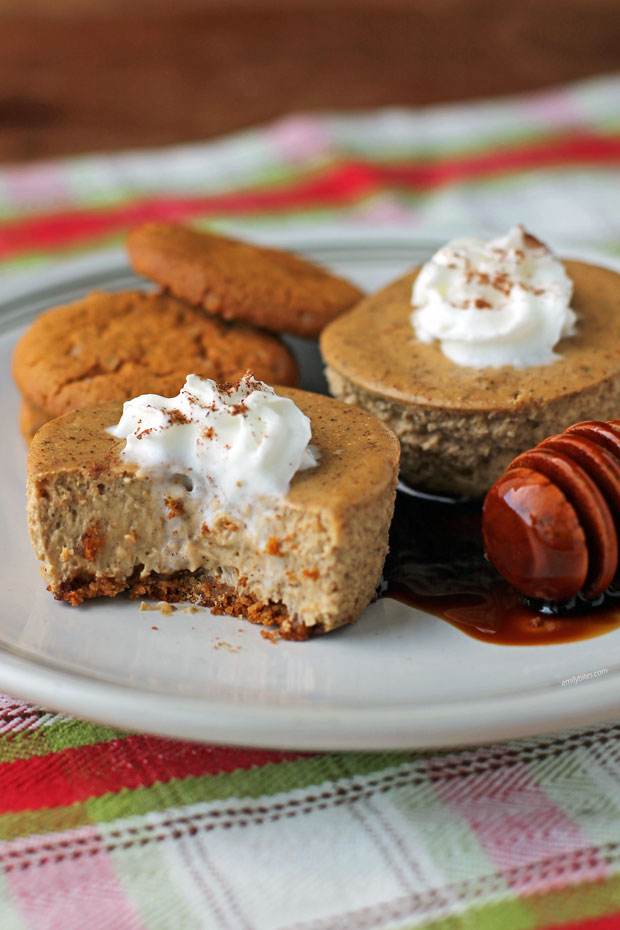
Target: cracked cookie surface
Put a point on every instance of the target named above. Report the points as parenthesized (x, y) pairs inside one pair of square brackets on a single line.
[(116, 346)]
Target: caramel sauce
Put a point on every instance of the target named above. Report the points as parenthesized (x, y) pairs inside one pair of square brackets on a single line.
[(436, 563)]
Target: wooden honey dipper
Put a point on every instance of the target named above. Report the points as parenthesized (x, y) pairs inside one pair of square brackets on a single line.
[(551, 522)]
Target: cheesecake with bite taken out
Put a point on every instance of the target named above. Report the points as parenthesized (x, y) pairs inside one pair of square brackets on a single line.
[(273, 505)]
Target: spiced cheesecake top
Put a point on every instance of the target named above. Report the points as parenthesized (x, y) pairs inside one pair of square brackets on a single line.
[(375, 346)]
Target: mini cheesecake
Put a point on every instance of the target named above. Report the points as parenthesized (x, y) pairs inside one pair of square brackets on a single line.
[(308, 561), (460, 427)]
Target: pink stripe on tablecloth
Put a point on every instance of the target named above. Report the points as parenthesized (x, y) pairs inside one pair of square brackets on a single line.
[(57, 891), (383, 209), (556, 106), (36, 185), (519, 826), (299, 138)]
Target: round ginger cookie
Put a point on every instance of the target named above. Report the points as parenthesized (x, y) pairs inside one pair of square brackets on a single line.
[(238, 281), (117, 346)]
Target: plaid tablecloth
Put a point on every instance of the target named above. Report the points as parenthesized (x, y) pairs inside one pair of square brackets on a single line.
[(115, 831)]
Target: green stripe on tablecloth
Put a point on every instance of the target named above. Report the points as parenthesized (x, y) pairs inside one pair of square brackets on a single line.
[(45, 820), (261, 781), (554, 908), (583, 901), (45, 258), (55, 737), (511, 914)]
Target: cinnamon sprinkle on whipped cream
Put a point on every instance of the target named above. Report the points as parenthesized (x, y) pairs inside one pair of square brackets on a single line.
[(501, 302), (232, 440)]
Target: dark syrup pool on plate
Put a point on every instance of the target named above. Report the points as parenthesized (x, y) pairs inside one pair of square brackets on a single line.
[(436, 563)]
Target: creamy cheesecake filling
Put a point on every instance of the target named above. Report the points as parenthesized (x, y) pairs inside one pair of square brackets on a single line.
[(140, 527)]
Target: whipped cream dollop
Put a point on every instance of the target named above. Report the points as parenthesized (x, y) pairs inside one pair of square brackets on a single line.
[(502, 302), (235, 440)]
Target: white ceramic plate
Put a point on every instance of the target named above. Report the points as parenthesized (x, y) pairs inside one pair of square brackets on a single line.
[(398, 678)]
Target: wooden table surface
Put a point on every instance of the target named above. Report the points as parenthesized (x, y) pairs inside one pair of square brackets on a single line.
[(109, 75)]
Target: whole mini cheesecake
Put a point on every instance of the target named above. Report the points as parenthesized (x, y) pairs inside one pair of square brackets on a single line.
[(460, 425), (273, 506)]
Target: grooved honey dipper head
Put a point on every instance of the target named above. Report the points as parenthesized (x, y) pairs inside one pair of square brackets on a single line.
[(533, 536), (551, 523)]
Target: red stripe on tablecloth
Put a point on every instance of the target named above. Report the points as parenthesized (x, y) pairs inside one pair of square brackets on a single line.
[(609, 922), (343, 183), (133, 762)]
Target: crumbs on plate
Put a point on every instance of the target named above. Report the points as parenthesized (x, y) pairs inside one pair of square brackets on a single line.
[(227, 647)]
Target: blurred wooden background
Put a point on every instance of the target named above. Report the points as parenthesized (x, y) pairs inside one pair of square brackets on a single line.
[(86, 75)]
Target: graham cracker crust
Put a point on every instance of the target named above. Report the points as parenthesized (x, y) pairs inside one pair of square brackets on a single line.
[(197, 587)]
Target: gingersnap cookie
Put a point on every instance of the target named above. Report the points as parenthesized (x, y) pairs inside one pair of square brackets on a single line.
[(238, 281), (115, 346)]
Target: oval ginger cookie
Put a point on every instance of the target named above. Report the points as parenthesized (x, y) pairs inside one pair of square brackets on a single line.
[(238, 281)]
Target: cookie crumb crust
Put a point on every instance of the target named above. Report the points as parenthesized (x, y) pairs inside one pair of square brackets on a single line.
[(194, 588)]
